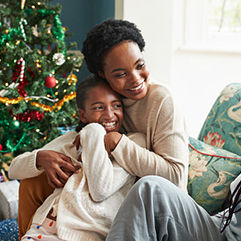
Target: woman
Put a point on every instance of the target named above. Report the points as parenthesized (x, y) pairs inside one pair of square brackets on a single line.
[(113, 51)]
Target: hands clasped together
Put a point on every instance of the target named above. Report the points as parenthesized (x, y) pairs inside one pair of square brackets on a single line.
[(59, 167)]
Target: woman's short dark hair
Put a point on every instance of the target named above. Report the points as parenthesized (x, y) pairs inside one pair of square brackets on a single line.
[(104, 36), (82, 91)]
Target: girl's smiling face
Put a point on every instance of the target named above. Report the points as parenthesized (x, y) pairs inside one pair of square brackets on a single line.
[(125, 70), (103, 106)]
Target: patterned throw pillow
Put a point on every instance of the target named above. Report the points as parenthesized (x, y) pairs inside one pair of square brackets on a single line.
[(211, 170), (222, 127)]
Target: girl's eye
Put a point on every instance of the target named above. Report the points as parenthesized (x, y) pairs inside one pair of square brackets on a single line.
[(118, 106), (99, 107), (140, 66), (120, 75)]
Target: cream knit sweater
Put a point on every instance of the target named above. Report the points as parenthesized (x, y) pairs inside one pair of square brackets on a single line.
[(89, 201), (160, 119)]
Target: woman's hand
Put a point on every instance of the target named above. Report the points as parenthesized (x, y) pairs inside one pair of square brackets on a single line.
[(58, 167), (111, 140)]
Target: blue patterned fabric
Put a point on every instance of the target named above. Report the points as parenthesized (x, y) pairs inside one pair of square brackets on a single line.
[(211, 170), (9, 230), (222, 127)]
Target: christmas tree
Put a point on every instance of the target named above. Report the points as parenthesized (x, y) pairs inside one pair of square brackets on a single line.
[(37, 76)]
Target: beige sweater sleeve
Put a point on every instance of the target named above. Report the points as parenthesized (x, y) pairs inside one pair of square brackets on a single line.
[(104, 176), (166, 154)]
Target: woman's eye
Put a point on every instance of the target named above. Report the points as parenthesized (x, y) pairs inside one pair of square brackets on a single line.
[(140, 66), (120, 75)]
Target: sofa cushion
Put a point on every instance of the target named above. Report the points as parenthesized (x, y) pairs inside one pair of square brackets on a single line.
[(222, 126), (211, 170)]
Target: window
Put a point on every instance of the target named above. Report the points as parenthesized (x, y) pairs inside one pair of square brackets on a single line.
[(213, 23)]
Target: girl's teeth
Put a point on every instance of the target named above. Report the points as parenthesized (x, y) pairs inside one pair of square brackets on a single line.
[(109, 124)]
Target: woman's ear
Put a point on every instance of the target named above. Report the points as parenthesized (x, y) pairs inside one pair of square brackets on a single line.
[(82, 116), (101, 74)]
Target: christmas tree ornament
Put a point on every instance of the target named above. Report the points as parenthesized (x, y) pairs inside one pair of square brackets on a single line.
[(23, 21), (35, 31), (22, 4), (58, 58), (1, 147), (72, 78), (22, 65), (50, 81)]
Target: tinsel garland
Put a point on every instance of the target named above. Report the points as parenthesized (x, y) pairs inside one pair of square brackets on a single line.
[(9, 33), (58, 105), (58, 32), (40, 12), (28, 116)]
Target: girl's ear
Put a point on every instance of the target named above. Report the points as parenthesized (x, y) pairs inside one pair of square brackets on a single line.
[(82, 116)]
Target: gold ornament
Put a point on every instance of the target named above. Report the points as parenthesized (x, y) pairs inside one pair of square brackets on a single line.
[(71, 78)]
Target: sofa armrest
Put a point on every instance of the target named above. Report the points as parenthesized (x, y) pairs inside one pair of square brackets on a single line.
[(222, 127)]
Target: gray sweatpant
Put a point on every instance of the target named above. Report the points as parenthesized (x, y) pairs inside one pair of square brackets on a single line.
[(155, 209)]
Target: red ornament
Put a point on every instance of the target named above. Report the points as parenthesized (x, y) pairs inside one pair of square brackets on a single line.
[(50, 81), (1, 147)]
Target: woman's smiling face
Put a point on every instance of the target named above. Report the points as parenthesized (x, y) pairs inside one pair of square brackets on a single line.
[(125, 70)]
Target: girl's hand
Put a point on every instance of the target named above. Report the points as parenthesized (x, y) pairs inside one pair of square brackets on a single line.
[(111, 140), (57, 166)]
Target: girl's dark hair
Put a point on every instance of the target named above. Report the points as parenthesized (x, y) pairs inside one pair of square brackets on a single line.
[(82, 91), (104, 36), (235, 200)]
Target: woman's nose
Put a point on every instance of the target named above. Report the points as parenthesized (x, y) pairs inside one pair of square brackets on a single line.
[(135, 76)]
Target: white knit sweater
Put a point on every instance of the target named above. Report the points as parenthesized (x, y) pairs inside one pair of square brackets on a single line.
[(89, 201)]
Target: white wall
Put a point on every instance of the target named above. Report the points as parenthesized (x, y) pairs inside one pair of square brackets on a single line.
[(195, 76)]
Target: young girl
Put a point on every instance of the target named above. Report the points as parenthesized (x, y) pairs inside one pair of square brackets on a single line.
[(85, 207)]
